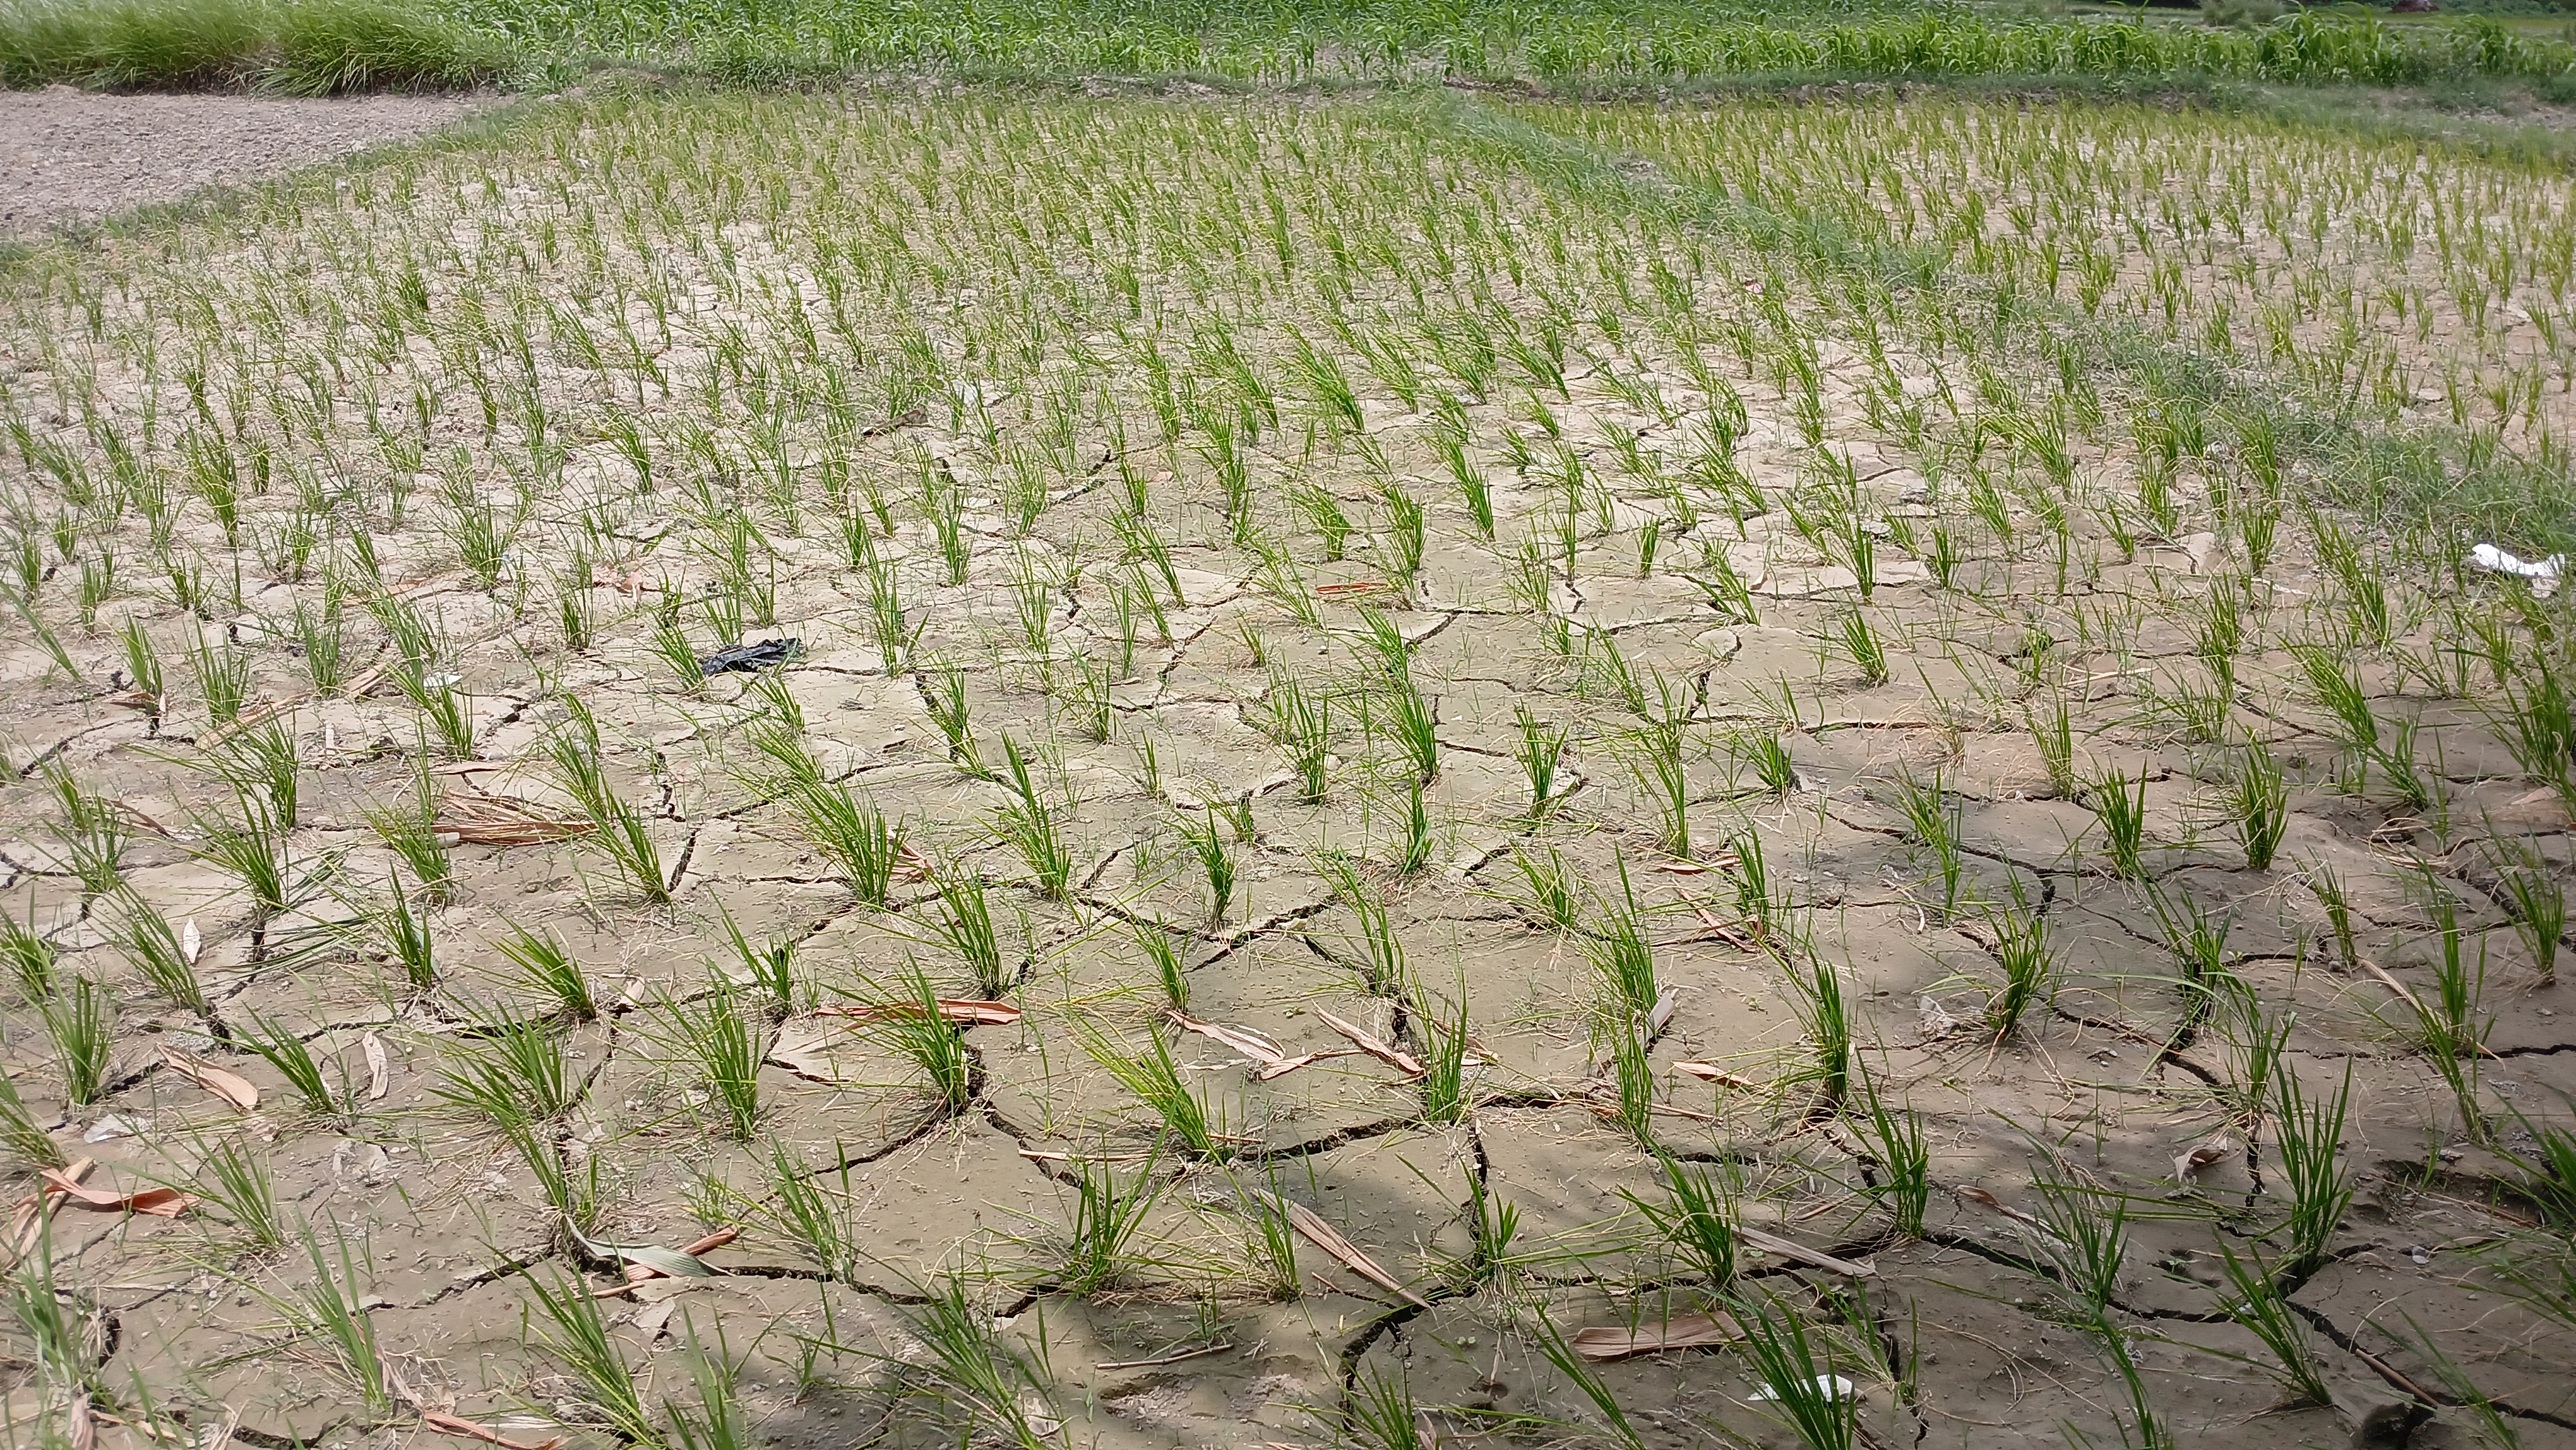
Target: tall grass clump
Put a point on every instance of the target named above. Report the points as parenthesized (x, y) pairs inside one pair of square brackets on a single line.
[(283, 47)]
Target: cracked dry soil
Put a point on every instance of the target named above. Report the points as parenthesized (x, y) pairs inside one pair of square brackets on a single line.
[(1118, 467)]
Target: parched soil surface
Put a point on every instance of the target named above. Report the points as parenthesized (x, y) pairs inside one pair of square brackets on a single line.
[(1381, 743), (69, 156)]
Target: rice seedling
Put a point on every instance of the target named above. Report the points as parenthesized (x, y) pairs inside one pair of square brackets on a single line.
[(1903, 1181), (2257, 1305), (1170, 972), (917, 1030), (1216, 857), (965, 926), (94, 830), (726, 1044), (293, 1058), (618, 828), (1695, 1217), (2053, 731), (1621, 952), (1415, 723), (513, 1074), (408, 937), (2021, 947), (331, 1308), (1380, 1412), (223, 679), (2536, 897), (1108, 1214), (720, 1421), (1540, 750), (2259, 805), (863, 847), (1663, 774), (1862, 646), (1826, 1016), (1800, 1373), (971, 1365), (544, 967), (409, 829), (1154, 1079), (1935, 817), (575, 1333), (1552, 895), (27, 954), (23, 1140), (236, 1180), (146, 939), (80, 1023), (2087, 1246), (2123, 815), (1767, 754), (819, 1219), (1302, 724), (2313, 1169)]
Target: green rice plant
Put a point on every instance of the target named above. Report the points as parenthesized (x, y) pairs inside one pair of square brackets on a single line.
[(2313, 1168), (2548, 1170), (2022, 949), (143, 671), (1302, 724), (824, 1223), (574, 1332), (1169, 970), (1324, 514), (265, 761), (410, 831), (1447, 1095), (1863, 647), (1381, 946), (2087, 1246), (2053, 731), (971, 1365), (1551, 1343), (544, 967), (513, 1073), (1552, 895), (770, 966), (617, 827), (94, 830), (1417, 831), (2340, 692), (23, 1140), (1728, 592), (236, 1181), (80, 1023), (2537, 898), (916, 1029), (1695, 1217), (1754, 900), (863, 847), (1414, 722), (280, 1047), (1473, 486), (1799, 1371), (965, 926), (145, 938), (254, 852), (2257, 1305), (1621, 950), (2338, 904), (27, 955), (1632, 1076), (1108, 1214), (727, 1046), (1216, 856), (1155, 1079), (1935, 818), (943, 693), (2452, 1024), (1541, 748), (720, 1422), (223, 679), (330, 1308), (2124, 821), (1379, 1412), (61, 1341), (1405, 537), (1664, 775), (670, 643), (1768, 755), (2259, 805), (408, 937), (1827, 1019), (1896, 1137)]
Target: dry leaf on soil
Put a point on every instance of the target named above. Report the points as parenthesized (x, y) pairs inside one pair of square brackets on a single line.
[(1683, 1331), (232, 1087)]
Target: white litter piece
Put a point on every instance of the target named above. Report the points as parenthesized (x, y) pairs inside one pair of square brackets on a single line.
[(2497, 561), (1834, 1386)]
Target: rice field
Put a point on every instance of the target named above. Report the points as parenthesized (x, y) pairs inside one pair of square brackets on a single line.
[(926, 766)]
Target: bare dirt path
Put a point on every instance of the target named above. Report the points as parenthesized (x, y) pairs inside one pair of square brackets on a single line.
[(69, 156)]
